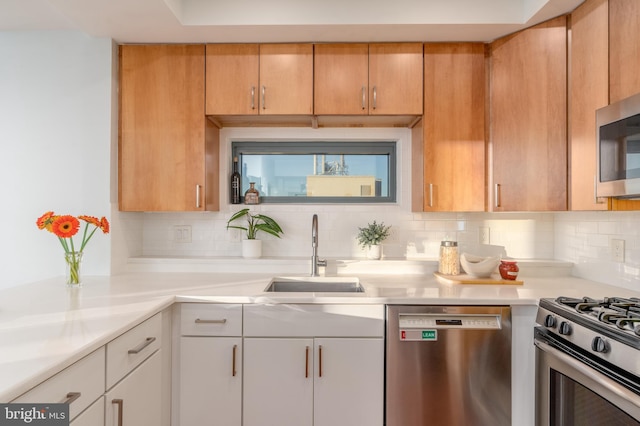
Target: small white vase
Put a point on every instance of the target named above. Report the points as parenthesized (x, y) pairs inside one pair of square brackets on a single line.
[(251, 249), (374, 252)]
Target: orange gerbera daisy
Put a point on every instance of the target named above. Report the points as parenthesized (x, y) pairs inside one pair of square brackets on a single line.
[(65, 226), (90, 219), (104, 225), (45, 221)]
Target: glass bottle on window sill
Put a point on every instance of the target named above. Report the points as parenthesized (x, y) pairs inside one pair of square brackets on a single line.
[(252, 196)]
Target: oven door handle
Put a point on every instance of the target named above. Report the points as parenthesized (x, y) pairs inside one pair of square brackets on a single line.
[(609, 384)]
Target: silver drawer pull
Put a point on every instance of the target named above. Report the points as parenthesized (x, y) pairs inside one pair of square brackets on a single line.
[(141, 346), (213, 321), (71, 396), (120, 404)]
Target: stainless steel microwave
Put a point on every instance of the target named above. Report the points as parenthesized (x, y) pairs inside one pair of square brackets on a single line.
[(618, 149)]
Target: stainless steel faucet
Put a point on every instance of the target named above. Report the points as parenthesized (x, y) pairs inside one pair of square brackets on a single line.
[(315, 262)]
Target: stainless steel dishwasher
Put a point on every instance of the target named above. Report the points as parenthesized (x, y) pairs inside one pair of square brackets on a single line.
[(448, 365)]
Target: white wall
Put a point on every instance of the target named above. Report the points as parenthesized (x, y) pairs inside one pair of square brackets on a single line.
[(55, 130)]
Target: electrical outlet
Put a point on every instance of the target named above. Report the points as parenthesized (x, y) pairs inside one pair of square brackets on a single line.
[(483, 235), (182, 233), (617, 247)]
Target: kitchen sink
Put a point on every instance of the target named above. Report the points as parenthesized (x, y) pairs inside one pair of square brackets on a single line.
[(315, 284)]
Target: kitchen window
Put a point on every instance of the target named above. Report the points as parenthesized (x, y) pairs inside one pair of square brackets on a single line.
[(318, 171)]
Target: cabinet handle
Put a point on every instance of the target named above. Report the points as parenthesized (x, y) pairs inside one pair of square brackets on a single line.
[(306, 363), (430, 195), (496, 195), (211, 321), (319, 360), (197, 196), (264, 106), (375, 97), (253, 97), (120, 404), (141, 346), (71, 396), (233, 363), (364, 97)]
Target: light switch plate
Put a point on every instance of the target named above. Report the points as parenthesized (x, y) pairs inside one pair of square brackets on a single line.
[(483, 235), (182, 233)]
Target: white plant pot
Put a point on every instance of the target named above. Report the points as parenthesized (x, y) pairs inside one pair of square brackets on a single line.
[(251, 249), (374, 252)]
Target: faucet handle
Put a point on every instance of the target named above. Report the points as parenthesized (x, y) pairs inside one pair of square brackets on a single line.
[(321, 262)]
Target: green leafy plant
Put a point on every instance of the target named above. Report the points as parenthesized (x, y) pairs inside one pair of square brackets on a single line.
[(373, 234), (255, 223)]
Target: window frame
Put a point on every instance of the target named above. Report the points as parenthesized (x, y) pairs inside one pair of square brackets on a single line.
[(327, 147)]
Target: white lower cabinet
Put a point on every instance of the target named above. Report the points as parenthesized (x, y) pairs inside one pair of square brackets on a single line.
[(278, 382), (350, 389), (208, 360), (314, 382), (313, 365), (92, 416), (137, 399), (210, 381)]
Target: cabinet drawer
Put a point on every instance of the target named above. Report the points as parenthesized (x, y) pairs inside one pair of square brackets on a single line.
[(81, 383), (204, 319), (314, 320), (130, 349)]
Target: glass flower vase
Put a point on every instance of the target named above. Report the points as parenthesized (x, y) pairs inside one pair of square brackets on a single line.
[(74, 262)]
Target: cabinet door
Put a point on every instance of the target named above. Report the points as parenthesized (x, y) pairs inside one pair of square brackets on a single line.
[(348, 382), (210, 381), (341, 79), (588, 91), (166, 144), (529, 119), (138, 397), (454, 130), (286, 79), (624, 45), (278, 382), (395, 79), (92, 416), (624, 61), (232, 79)]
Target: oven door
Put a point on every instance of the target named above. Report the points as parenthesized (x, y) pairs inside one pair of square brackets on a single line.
[(571, 390)]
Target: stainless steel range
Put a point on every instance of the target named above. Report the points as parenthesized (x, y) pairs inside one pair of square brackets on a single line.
[(588, 361)]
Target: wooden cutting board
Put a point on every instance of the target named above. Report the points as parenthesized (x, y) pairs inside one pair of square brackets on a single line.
[(468, 279)]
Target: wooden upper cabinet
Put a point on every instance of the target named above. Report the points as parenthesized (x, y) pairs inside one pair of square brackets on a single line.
[(454, 127), (363, 79), (528, 110), (232, 79), (168, 151), (341, 79), (286, 79), (395, 79), (588, 91), (251, 79), (624, 48)]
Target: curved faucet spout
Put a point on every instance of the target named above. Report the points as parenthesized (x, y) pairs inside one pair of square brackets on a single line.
[(315, 262)]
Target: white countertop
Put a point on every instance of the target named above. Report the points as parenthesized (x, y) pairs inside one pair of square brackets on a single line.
[(45, 326)]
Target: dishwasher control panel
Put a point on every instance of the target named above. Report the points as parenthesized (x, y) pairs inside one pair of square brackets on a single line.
[(424, 327)]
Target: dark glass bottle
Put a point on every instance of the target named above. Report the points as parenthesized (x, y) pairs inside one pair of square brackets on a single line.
[(235, 183)]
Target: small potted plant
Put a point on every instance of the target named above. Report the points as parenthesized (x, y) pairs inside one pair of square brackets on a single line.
[(371, 236), (252, 247)]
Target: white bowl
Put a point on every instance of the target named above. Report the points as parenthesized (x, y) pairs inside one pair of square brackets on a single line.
[(477, 266)]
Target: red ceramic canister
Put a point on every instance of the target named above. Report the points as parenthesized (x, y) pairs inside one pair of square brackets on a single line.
[(508, 269)]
